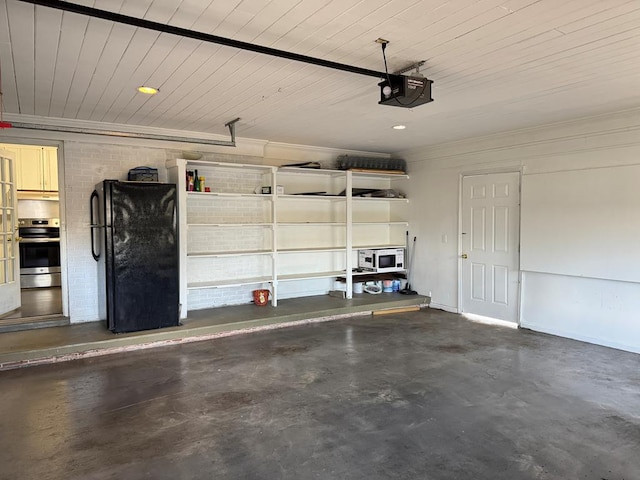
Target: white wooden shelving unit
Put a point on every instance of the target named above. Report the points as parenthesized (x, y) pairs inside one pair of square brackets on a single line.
[(311, 227), (233, 236)]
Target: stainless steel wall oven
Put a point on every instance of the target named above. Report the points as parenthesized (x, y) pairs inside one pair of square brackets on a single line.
[(39, 252)]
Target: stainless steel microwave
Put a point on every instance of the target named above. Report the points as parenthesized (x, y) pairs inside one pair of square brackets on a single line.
[(381, 259)]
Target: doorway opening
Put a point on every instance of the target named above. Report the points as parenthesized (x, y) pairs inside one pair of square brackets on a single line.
[(37, 212)]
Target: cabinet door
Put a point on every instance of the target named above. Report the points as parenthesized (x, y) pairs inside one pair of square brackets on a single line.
[(29, 171), (16, 155), (50, 169)]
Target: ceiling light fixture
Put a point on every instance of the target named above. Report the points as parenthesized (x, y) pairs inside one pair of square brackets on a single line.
[(147, 90), (399, 127)]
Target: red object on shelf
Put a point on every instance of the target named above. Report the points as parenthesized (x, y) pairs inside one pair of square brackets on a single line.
[(5, 125), (261, 296)]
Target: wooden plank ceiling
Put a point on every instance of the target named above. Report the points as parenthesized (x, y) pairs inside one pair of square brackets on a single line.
[(497, 65)]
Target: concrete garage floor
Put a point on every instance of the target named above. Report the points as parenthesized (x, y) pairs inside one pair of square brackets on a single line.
[(425, 395), (49, 345)]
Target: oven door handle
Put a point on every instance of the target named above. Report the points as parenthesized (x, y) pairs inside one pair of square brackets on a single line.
[(39, 240), (94, 195)]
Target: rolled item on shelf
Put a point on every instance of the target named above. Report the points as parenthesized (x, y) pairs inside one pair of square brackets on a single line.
[(391, 165)]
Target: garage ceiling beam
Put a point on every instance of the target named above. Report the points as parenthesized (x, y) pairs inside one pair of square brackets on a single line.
[(205, 37)]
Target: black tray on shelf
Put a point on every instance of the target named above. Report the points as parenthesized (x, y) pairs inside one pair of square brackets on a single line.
[(363, 276)]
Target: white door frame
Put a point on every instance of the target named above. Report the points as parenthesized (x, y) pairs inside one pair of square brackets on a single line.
[(64, 274), (517, 170), (59, 144)]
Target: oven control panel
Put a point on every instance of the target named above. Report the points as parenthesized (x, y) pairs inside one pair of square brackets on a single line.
[(39, 222)]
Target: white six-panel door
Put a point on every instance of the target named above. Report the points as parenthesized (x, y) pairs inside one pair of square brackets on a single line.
[(489, 241)]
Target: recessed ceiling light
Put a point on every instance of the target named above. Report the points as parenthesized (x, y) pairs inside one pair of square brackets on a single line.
[(399, 127), (148, 90)]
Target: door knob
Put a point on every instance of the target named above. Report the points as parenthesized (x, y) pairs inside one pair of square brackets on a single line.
[(464, 256)]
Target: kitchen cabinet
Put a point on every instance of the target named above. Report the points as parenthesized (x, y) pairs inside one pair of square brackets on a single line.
[(295, 238), (29, 171), (50, 169), (36, 167)]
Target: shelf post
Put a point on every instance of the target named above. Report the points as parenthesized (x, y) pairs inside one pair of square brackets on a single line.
[(176, 172), (274, 238), (349, 242)]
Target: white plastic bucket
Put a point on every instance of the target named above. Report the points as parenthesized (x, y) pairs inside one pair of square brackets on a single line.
[(357, 287)]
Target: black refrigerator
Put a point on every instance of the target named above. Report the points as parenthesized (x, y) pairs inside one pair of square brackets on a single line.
[(134, 239)]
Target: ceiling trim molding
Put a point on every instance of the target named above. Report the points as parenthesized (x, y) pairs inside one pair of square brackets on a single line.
[(277, 152), (244, 146), (579, 128)]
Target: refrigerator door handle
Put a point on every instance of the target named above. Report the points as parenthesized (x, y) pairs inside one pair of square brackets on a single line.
[(93, 225), (175, 218)]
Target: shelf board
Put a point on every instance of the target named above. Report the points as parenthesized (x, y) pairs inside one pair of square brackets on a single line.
[(403, 223), (377, 199), (311, 197), (228, 283), (311, 171), (360, 274), (296, 224), (370, 247), (246, 166), (310, 276), (364, 173), (311, 224), (312, 250), (235, 253), (230, 195), (229, 225), (373, 276), (240, 253)]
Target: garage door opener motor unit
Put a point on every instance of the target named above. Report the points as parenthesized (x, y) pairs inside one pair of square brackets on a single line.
[(405, 91)]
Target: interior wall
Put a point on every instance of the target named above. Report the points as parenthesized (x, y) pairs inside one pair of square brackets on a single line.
[(86, 165), (89, 159), (594, 310)]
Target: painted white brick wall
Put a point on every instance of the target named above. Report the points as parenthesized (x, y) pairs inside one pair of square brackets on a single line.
[(218, 157), (228, 239), (229, 211), (86, 165), (219, 297), (211, 209), (207, 269)]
